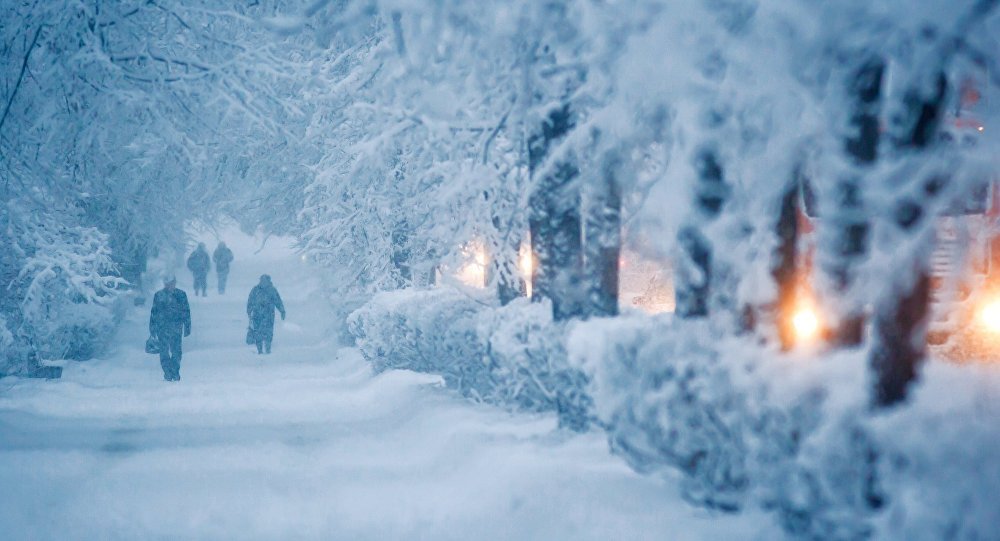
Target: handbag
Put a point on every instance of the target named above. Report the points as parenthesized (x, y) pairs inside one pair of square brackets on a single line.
[(152, 345), (251, 339)]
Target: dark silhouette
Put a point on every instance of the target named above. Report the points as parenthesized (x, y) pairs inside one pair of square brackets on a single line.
[(199, 264), (263, 300), (169, 317), (222, 257)]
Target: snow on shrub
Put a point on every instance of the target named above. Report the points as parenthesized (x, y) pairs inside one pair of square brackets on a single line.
[(748, 426), (60, 292), (668, 402), (69, 292), (512, 356), (941, 457), (425, 331), (529, 365)]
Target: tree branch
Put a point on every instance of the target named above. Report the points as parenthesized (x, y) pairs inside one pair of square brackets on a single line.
[(20, 76)]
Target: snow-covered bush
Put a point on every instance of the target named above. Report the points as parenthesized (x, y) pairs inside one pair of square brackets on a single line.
[(69, 293), (60, 291), (750, 427), (675, 396), (939, 466), (512, 356), (425, 331), (668, 401), (528, 362)]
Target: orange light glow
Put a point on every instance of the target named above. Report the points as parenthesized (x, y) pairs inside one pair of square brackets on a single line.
[(473, 272), (805, 322), (989, 316), (526, 263)]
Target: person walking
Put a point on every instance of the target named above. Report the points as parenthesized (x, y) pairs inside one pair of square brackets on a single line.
[(261, 303), (222, 256), (169, 317), (199, 264)]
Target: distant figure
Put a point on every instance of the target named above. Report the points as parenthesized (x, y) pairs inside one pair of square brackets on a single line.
[(261, 304), (169, 317), (198, 263), (222, 256)]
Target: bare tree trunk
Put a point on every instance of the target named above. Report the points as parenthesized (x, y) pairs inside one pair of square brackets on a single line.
[(849, 219), (554, 219), (785, 257), (602, 239), (401, 253), (900, 327), (693, 279)]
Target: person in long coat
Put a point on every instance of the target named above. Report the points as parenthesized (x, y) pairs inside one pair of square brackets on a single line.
[(222, 256), (199, 263), (261, 304), (169, 318)]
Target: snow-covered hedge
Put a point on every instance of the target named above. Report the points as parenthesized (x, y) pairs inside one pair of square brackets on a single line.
[(529, 365), (751, 427), (746, 425), (511, 356)]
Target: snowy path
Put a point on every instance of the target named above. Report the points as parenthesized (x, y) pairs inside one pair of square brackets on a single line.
[(304, 444)]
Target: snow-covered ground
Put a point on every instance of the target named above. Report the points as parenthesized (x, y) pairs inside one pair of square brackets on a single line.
[(304, 444)]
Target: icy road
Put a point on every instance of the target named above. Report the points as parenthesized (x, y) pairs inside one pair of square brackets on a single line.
[(304, 444)]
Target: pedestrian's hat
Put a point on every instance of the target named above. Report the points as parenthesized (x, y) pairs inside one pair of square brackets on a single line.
[(170, 279)]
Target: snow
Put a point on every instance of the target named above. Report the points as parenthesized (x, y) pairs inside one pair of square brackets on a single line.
[(398, 141), (305, 444)]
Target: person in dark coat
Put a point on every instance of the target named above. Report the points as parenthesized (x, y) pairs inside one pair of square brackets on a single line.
[(170, 316), (222, 257), (263, 300), (199, 264)]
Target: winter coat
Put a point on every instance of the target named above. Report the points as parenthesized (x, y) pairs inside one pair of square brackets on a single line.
[(263, 300), (170, 314), (198, 262), (222, 256)]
